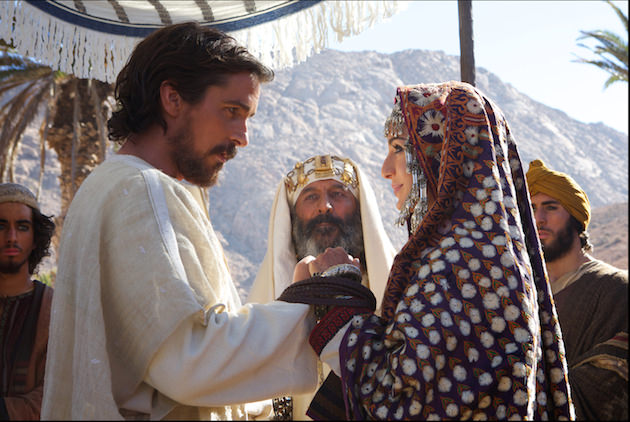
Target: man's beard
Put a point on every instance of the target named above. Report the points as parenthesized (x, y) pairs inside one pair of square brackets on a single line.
[(12, 267), (309, 240), (561, 245), (192, 165)]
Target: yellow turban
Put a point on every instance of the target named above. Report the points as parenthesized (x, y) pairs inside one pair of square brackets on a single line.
[(559, 186)]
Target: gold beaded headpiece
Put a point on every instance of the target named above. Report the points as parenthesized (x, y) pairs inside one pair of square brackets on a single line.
[(321, 167), (395, 123), (415, 205)]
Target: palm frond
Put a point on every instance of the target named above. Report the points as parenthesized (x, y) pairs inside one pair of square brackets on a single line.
[(614, 78), (623, 18), (611, 51), (20, 113), (610, 44), (43, 135), (26, 117), (17, 76), (8, 110)]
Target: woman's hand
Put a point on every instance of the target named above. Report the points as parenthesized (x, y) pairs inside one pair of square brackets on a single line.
[(309, 265)]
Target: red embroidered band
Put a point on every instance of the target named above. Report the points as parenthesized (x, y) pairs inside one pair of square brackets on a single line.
[(330, 324)]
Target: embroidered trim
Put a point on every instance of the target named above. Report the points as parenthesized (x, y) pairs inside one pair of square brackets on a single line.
[(619, 340), (330, 324), (282, 409)]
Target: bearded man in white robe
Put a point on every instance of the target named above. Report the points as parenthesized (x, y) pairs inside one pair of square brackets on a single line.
[(146, 321)]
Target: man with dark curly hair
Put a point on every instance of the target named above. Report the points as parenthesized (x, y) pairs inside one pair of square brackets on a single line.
[(25, 303)]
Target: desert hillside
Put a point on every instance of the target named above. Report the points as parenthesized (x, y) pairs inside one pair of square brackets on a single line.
[(609, 234), (336, 103)]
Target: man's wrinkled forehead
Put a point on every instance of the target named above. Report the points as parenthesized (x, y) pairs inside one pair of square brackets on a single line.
[(324, 185)]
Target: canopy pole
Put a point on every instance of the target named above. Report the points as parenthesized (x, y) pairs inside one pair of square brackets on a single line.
[(466, 42)]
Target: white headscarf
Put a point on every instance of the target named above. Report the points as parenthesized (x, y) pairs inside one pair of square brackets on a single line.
[(276, 271)]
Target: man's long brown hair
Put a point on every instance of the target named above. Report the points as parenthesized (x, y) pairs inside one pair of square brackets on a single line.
[(191, 57)]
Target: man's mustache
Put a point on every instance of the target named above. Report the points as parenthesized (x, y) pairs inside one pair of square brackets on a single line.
[(323, 218), (229, 150), (12, 246)]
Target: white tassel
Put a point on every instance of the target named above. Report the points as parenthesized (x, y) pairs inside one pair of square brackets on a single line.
[(286, 41), (279, 43)]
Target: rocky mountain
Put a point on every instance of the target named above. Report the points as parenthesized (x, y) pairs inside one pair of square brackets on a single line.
[(609, 234), (336, 103)]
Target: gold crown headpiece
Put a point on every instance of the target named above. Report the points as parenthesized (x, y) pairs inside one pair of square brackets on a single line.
[(321, 167)]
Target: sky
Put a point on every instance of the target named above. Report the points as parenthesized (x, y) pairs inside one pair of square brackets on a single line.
[(531, 45)]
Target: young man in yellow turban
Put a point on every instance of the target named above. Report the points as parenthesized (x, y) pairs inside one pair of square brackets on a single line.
[(591, 296)]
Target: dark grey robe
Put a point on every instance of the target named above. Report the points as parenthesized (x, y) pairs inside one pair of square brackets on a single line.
[(593, 314)]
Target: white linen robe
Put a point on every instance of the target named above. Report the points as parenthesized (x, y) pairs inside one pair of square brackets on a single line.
[(146, 318)]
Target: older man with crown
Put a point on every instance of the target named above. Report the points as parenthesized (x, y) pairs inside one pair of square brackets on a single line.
[(324, 201)]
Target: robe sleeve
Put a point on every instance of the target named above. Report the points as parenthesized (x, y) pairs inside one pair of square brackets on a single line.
[(233, 358), (593, 314), (599, 393), (330, 353)]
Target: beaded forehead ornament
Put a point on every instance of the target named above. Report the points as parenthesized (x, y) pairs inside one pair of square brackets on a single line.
[(415, 206)]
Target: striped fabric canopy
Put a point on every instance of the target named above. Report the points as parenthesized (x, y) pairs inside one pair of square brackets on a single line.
[(93, 38)]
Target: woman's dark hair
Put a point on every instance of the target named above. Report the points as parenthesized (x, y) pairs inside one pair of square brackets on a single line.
[(43, 229), (191, 57), (582, 234)]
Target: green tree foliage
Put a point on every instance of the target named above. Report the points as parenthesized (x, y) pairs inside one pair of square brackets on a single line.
[(611, 50), (48, 278)]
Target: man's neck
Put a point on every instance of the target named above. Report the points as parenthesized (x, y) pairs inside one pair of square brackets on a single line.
[(15, 284), (567, 263), (152, 147)]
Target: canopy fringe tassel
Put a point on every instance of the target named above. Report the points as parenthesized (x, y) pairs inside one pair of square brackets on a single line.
[(279, 43)]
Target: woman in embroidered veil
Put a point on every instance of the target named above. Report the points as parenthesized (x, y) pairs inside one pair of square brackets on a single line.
[(468, 327)]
